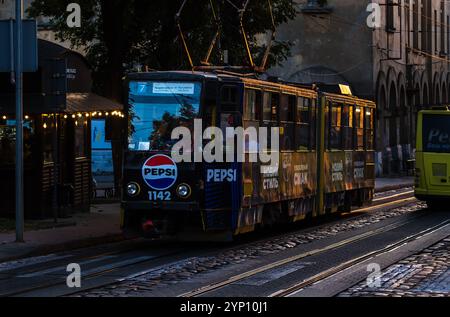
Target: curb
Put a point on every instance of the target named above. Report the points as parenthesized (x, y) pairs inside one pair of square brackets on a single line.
[(67, 246), (393, 187)]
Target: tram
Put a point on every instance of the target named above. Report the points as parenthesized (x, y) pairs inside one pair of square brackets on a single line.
[(325, 154), (433, 157)]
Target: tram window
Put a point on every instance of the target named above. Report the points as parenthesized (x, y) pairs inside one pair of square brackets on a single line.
[(335, 131), (327, 124), (313, 116), (252, 105), (369, 126), (270, 107), (287, 125), (303, 130), (229, 100), (359, 125), (347, 127), (288, 104), (303, 110), (229, 95)]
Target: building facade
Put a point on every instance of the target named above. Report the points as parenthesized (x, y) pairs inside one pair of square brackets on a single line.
[(60, 110), (7, 11), (402, 62)]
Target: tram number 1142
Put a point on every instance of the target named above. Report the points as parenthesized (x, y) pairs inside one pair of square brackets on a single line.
[(159, 196)]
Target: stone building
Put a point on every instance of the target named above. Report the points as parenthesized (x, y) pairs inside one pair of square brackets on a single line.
[(401, 63)]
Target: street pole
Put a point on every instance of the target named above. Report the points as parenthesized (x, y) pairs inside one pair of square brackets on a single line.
[(19, 126)]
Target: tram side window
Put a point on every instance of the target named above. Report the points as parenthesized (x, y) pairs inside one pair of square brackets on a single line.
[(312, 124), (230, 102), (252, 105), (327, 125), (369, 126), (287, 119), (335, 123), (303, 129), (270, 107), (359, 126), (288, 103), (347, 127)]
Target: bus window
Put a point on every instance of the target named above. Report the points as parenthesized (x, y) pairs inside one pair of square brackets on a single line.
[(335, 123), (252, 105), (303, 124), (347, 127), (359, 126), (435, 133), (369, 126)]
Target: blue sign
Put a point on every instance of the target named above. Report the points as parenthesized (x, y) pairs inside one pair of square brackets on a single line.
[(29, 46), (98, 136)]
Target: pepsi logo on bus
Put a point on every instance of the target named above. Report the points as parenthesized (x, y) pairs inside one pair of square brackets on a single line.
[(160, 172)]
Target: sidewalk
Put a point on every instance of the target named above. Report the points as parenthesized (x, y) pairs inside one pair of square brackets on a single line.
[(102, 225), (387, 184)]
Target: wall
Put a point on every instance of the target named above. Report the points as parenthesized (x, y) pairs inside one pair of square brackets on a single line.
[(401, 69), (336, 42)]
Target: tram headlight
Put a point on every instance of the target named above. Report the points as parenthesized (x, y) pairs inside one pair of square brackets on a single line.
[(133, 189), (184, 191)]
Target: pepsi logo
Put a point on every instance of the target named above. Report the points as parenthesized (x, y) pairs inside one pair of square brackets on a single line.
[(160, 172)]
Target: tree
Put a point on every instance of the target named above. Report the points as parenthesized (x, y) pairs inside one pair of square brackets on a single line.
[(118, 34)]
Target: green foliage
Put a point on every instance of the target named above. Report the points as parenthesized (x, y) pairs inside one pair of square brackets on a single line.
[(119, 34)]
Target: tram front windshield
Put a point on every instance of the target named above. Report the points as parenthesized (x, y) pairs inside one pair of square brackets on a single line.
[(156, 109), (436, 133)]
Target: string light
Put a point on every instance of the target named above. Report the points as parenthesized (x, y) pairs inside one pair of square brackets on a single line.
[(86, 114)]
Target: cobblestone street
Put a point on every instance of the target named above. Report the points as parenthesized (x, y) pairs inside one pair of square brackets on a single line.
[(426, 274), (188, 269)]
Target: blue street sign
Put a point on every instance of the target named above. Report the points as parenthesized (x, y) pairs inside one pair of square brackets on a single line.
[(29, 46)]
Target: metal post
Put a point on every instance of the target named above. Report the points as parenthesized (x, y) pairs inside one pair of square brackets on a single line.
[(19, 126)]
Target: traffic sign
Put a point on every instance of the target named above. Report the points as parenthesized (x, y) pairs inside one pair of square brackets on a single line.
[(29, 46)]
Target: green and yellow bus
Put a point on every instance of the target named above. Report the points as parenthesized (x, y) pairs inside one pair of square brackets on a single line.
[(433, 157)]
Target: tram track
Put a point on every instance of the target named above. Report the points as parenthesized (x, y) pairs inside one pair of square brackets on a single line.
[(349, 264), (387, 202), (271, 266)]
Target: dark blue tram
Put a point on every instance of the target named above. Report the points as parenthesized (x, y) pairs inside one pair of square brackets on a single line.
[(325, 156)]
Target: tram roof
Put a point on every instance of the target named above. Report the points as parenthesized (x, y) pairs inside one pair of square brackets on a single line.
[(250, 82)]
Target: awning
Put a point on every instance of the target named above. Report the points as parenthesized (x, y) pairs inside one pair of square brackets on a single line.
[(90, 102)]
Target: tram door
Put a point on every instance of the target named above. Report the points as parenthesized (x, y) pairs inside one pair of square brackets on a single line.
[(223, 179)]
